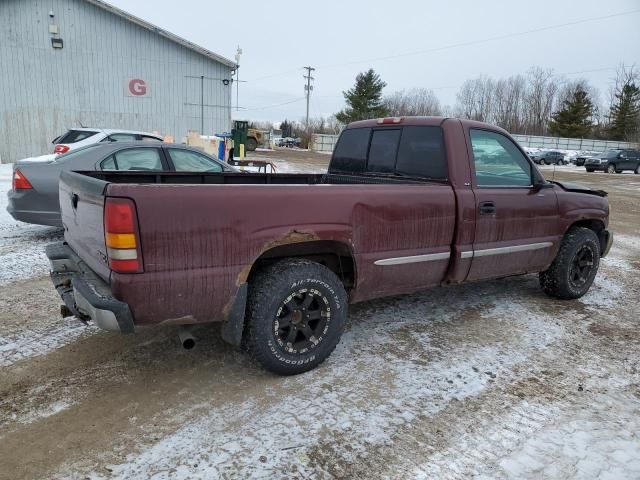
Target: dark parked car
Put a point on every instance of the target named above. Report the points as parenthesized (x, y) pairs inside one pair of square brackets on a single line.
[(614, 161), (548, 158), (405, 205), (34, 196)]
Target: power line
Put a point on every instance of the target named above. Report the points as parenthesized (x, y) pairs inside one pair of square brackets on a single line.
[(483, 40), (265, 107)]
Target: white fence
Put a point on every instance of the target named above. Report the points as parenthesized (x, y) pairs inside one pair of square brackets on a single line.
[(326, 143), (323, 143), (559, 143)]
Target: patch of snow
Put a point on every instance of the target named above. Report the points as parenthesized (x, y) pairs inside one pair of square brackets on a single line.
[(36, 342), (420, 376)]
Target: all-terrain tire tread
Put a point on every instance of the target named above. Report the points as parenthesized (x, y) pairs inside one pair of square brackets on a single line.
[(261, 291), (554, 280)]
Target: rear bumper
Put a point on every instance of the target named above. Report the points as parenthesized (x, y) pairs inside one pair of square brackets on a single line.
[(21, 207), (86, 294)]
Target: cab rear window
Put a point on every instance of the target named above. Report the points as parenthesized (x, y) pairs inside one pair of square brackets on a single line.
[(414, 151)]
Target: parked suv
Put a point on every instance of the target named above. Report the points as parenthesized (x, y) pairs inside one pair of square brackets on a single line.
[(614, 161), (81, 137), (549, 157)]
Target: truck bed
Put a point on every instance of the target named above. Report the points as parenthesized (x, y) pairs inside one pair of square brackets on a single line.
[(200, 234)]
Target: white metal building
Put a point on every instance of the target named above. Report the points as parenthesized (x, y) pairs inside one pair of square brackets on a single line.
[(72, 63)]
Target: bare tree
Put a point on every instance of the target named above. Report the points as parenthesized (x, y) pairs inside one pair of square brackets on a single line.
[(540, 97), (475, 98), (417, 101), (508, 103)]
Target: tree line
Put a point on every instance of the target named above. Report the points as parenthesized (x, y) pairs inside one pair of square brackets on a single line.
[(537, 103)]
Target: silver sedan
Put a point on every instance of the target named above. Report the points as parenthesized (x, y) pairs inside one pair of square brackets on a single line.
[(33, 197)]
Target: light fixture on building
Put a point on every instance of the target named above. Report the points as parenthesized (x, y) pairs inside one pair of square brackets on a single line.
[(57, 43)]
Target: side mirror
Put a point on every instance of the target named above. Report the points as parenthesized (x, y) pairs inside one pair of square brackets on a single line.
[(541, 185)]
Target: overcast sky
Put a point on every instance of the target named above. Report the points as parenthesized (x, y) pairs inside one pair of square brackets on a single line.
[(417, 43)]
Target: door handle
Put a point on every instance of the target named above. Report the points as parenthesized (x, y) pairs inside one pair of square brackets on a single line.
[(487, 208)]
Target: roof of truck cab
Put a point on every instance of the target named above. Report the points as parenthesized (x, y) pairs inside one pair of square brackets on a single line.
[(424, 121)]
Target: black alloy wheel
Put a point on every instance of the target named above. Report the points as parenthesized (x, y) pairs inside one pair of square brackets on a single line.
[(581, 267), (302, 321)]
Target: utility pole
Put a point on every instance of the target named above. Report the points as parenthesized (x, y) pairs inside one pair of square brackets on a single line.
[(238, 53), (307, 89)]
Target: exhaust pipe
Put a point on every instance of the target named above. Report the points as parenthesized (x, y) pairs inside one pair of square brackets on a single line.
[(187, 340)]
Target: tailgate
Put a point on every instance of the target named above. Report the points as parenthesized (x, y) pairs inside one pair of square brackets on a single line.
[(82, 210)]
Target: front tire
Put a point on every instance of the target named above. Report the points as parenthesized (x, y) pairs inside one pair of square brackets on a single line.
[(611, 169), (574, 268), (637, 170), (542, 162), (560, 162), (296, 313), (590, 170)]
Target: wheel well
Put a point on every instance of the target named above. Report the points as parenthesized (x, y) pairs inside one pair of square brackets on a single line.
[(597, 226), (336, 256)]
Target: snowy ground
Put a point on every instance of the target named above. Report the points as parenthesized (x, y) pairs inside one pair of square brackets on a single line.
[(489, 380)]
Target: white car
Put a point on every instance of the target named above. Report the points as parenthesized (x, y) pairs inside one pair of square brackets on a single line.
[(81, 137)]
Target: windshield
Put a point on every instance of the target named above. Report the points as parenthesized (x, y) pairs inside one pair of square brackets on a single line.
[(611, 154)]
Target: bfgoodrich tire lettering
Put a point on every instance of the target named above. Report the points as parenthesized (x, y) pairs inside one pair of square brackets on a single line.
[(574, 268), (296, 313)]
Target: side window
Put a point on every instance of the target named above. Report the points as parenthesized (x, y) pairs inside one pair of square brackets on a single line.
[(422, 154), (109, 163), (350, 154), (382, 152), (498, 162), (147, 138), (138, 159), (188, 161)]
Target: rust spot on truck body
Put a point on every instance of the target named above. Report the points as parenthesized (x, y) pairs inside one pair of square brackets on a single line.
[(293, 236)]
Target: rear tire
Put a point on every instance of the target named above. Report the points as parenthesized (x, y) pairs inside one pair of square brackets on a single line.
[(637, 170), (574, 268), (296, 313)]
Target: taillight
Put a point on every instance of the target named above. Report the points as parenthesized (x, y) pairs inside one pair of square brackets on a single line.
[(61, 149), (121, 237), (19, 181)]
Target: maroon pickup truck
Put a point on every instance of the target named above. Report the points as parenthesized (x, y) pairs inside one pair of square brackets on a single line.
[(407, 204)]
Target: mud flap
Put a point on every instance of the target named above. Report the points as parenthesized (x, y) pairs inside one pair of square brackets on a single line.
[(232, 327)]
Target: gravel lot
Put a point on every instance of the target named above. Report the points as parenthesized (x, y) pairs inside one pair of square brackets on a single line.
[(489, 380)]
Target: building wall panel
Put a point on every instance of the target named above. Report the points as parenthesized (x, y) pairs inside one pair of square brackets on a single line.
[(44, 91)]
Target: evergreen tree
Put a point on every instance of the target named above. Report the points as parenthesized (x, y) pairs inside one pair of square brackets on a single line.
[(364, 100), (625, 113), (286, 129), (573, 120)]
